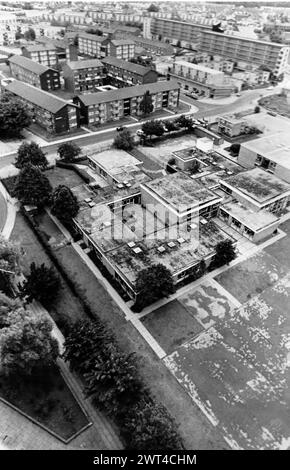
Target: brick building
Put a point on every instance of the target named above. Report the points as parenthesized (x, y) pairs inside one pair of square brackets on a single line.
[(38, 75)]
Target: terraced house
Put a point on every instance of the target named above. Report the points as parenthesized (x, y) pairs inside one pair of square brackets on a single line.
[(83, 76), (34, 73), (98, 108), (122, 73), (53, 114), (120, 48), (90, 44)]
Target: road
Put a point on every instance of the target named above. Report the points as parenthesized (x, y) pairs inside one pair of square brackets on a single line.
[(248, 99)]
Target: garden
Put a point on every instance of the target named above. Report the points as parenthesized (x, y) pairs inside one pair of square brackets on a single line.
[(277, 103)]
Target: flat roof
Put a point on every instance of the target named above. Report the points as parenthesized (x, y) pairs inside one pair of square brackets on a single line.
[(36, 96), (122, 42), (258, 184), (92, 37), (39, 47), (127, 92), (180, 191), (202, 68), (275, 147), (251, 219), (114, 159)]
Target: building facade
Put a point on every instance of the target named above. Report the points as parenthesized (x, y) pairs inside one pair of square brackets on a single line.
[(90, 44), (53, 114), (231, 126), (119, 48), (45, 55), (83, 76), (203, 39), (123, 73), (98, 108), (35, 74)]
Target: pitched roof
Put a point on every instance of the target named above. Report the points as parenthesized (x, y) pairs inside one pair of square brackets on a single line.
[(127, 92), (28, 64), (122, 42), (36, 96), (93, 37), (40, 47), (124, 64), (84, 64)]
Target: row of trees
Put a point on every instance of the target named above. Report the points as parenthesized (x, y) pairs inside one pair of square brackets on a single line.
[(124, 139), (32, 186), (113, 381)]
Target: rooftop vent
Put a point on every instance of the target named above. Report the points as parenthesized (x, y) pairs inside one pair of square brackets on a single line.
[(137, 250), (88, 199), (203, 221), (128, 185), (91, 204), (180, 240), (161, 249), (193, 226), (107, 224), (120, 186), (131, 244)]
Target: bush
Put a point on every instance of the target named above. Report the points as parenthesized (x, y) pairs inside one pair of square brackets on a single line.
[(42, 284), (68, 151)]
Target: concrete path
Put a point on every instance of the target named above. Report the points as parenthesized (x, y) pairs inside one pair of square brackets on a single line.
[(10, 213)]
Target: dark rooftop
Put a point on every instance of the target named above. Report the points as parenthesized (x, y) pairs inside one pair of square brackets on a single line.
[(36, 96), (127, 92), (124, 64), (29, 64)]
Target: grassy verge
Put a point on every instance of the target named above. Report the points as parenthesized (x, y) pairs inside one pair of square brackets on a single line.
[(48, 400)]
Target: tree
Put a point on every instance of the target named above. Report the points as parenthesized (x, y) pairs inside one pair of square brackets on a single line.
[(32, 187), (26, 343), (30, 153), (14, 116), (114, 382), (146, 105), (195, 166), (170, 126), (183, 121), (41, 284), (149, 426), (124, 140), (169, 166), (68, 151), (64, 204), (84, 343), (257, 109), (98, 32), (151, 128), (153, 8), (235, 149), (8, 306), (152, 284), (9, 256), (225, 253), (29, 35)]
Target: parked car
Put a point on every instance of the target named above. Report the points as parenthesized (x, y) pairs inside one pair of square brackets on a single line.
[(271, 113), (238, 94), (121, 128), (139, 132), (192, 95)]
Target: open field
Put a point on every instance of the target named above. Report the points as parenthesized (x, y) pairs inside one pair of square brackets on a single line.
[(252, 276), (64, 176), (277, 103), (48, 400)]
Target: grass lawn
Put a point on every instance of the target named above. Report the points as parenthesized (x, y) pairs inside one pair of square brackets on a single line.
[(64, 176), (194, 427), (48, 400), (276, 103), (252, 276), (171, 325), (67, 307), (280, 249)]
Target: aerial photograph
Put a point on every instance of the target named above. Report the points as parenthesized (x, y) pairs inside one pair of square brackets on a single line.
[(144, 228)]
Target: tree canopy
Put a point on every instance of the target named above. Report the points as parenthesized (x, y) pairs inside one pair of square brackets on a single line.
[(29, 35), (68, 151), (64, 204), (32, 187), (152, 284), (30, 153), (42, 284), (146, 104), (153, 127), (9, 256), (153, 8), (124, 140), (225, 253), (14, 116), (26, 343)]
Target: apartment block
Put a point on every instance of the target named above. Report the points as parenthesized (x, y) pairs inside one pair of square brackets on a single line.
[(53, 114), (199, 79), (119, 48), (98, 108), (43, 54), (38, 75), (83, 76), (232, 47), (90, 44), (154, 47), (122, 73)]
